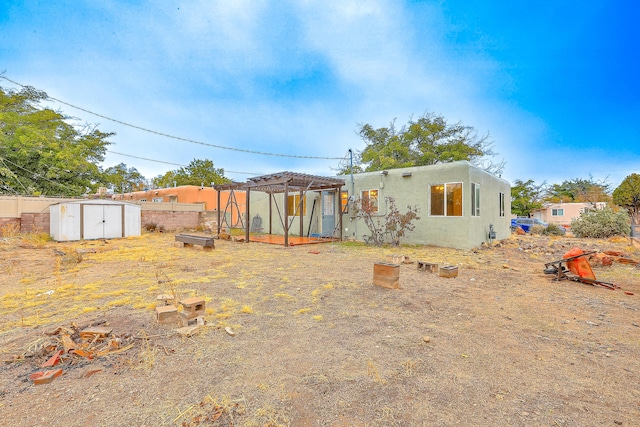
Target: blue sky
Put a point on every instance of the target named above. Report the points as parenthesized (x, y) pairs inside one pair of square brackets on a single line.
[(555, 83)]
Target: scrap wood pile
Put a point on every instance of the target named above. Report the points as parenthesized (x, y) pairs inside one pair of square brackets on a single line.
[(69, 346)]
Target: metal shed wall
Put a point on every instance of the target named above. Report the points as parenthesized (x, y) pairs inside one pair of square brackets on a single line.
[(94, 219)]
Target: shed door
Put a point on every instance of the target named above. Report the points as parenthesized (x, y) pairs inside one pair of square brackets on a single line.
[(328, 213), (102, 221)]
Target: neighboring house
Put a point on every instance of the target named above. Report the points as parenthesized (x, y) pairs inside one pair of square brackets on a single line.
[(563, 213), (457, 202)]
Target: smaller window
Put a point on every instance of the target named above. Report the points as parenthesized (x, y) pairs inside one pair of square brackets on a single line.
[(502, 204), (293, 205), (475, 199), (557, 212), (369, 201), (143, 200), (344, 200)]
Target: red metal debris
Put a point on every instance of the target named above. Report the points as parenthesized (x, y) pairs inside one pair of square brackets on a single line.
[(53, 360), (45, 377)]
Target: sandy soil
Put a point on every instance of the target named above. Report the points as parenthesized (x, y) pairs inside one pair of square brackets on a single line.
[(315, 343)]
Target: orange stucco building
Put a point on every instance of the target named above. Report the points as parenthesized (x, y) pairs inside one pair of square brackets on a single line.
[(233, 204)]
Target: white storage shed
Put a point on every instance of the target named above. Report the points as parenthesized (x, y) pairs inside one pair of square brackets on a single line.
[(94, 219)]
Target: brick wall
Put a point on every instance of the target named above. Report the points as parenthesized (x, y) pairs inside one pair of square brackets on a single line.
[(39, 222)]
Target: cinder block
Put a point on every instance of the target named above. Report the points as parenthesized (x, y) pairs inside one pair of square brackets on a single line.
[(427, 266), (164, 299), (193, 307), (448, 271), (166, 314), (386, 275), (395, 259)]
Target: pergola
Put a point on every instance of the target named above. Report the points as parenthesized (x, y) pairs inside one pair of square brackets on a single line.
[(282, 182)]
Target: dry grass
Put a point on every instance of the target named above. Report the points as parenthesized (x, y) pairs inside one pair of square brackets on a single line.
[(316, 344)]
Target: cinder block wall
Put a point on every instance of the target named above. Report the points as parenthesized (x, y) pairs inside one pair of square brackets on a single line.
[(39, 222), (170, 220), (8, 221)]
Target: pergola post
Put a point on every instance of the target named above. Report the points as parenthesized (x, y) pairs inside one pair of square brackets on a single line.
[(218, 207), (339, 206), (248, 219), (270, 212), (286, 214), (301, 212)]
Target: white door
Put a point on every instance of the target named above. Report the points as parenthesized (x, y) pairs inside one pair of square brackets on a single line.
[(101, 221), (113, 221)]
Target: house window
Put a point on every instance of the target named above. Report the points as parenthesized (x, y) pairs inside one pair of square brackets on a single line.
[(475, 199), (557, 212), (157, 200), (143, 200), (173, 199), (446, 199), (369, 200), (501, 195), (344, 201), (293, 205)]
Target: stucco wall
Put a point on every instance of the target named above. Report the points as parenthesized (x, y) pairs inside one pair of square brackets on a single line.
[(260, 206)]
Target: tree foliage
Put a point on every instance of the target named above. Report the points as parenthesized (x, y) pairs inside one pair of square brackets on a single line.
[(627, 195), (41, 152), (600, 223), (579, 190), (123, 179), (198, 172), (525, 197), (429, 140)]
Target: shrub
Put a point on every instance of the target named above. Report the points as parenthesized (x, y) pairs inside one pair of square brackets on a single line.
[(601, 223), (393, 224), (554, 230), (150, 226), (537, 229)]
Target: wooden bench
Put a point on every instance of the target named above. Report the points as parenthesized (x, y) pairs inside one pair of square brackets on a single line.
[(188, 240)]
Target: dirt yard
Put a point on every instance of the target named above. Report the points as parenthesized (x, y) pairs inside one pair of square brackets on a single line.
[(300, 337)]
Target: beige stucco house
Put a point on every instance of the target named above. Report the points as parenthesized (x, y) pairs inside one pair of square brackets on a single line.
[(563, 213), (458, 203)]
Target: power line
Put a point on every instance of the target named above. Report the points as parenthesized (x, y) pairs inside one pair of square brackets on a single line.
[(170, 163), (32, 173), (263, 153)]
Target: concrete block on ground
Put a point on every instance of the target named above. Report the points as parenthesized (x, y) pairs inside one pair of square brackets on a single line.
[(428, 266), (165, 299), (448, 271), (166, 314), (192, 307)]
